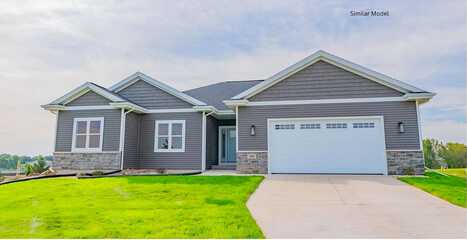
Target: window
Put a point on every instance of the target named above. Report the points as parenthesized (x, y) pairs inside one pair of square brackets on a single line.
[(310, 126), (169, 136), (336, 125), (364, 125), (284, 126), (87, 134)]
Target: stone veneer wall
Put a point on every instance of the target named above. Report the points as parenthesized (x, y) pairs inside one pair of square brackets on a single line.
[(399, 162), (86, 161), (252, 162), (405, 162)]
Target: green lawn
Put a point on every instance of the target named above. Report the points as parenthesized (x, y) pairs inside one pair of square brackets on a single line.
[(450, 188), (129, 207), (459, 172)]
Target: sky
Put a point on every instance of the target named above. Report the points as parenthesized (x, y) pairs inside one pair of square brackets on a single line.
[(47, 48)]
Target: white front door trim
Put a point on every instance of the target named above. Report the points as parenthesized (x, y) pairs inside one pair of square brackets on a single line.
[(219, 142)]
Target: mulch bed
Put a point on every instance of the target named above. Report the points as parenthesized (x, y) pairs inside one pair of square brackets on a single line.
[(67, 174)]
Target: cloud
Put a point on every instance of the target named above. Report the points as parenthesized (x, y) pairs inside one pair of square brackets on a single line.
[(48, 48), (445, 130), (449, 98)]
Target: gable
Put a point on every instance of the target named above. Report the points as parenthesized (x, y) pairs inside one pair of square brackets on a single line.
[(90, 98), (323, 80), (151, 97)]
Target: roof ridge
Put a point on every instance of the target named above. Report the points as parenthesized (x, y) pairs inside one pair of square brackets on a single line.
[(212, 84), (252, 80)]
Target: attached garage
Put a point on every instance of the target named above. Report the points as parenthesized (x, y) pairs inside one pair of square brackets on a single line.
[(352, 145)]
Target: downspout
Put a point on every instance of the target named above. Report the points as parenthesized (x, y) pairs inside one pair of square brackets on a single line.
[(203, 143), (56, 129), (420, 136), (122, 134), (236, 128)]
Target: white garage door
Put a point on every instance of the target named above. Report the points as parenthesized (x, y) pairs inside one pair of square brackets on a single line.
[(327, 145)]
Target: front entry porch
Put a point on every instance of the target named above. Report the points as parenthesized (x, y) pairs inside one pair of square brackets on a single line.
[(226, 148)]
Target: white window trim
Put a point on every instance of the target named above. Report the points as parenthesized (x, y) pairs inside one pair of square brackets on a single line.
[(87, 149), (169, 136)]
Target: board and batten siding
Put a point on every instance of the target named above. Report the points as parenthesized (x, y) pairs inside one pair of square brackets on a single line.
[(89, 99), (322, 80), (111, 138), (393, 112), (150, 97), (190, 159), (131, 150)]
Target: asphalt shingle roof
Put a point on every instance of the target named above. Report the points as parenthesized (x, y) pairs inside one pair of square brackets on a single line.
[(214, 94)]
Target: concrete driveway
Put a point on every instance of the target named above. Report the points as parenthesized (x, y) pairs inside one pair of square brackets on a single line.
[(338, 206)]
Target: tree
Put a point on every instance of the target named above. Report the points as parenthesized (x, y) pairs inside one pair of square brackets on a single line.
[(455, 155), (431, 148)]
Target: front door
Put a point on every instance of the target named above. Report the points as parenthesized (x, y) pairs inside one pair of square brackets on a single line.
[(227, 145)]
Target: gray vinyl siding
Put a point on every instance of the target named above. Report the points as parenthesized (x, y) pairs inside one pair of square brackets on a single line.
[(212, 141), (151, 97), (111, 138), (393, 112), (190, 159), (89, 99), (131, 151), (322, 80)]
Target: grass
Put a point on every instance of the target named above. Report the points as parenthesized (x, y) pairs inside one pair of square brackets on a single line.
[(459, 172), (450, 188), (129, 207)]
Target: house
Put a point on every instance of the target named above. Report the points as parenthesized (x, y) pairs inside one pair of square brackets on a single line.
[(323, 114)]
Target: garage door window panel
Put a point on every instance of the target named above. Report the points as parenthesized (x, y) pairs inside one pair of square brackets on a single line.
[(336, 125), (285, 126), (364, 125), (310, 126)]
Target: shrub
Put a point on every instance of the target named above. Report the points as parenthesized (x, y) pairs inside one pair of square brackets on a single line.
[(408, 171), (37, 167), (2, 178), (97, 173), (28, 169), (40, 166)]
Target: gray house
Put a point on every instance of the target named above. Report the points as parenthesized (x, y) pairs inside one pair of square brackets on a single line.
[(323, 114)]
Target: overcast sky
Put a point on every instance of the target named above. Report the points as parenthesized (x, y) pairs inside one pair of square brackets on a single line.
[(49, 47)]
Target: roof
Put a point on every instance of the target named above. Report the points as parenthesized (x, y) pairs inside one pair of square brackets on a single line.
[(164, 87), (337, 61), (214, 94), (88, 86)]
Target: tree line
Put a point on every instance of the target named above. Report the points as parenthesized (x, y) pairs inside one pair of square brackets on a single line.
[(10, 161), (438, 154)]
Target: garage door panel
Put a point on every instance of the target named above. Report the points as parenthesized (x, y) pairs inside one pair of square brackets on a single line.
[(327, 146)]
